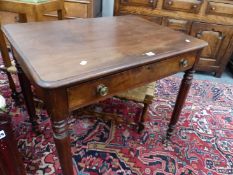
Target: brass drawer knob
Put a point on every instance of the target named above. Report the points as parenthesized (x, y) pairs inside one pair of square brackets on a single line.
[(183, 63), (170, 2), (213, 8), (102, 90), (195, 6)]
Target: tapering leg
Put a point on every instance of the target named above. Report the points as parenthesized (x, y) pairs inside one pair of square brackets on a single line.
[(63, 147), (147, 101), (56, 103), (28, 96), (183, 92), (7, 63)]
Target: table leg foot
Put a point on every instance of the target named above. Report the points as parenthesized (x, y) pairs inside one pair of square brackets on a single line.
[(62, 142), (140, 128), (16, 97), (183, 92), (170, 131)]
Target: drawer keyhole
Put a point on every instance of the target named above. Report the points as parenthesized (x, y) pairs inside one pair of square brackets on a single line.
[(183, 63), (102, 90)]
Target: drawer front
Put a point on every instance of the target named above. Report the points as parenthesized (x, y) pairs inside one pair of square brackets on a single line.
[(155, 19), (191, 6), (75, 9), (149, 3), (87, 93), (178, 24), (218, 8)]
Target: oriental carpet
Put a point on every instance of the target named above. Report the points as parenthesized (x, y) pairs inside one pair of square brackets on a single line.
[(201, 145)]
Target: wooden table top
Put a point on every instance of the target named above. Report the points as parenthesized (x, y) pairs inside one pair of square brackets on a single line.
[(58, 53)]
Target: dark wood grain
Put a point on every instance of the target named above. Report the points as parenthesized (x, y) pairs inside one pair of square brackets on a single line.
[(132, 78), (59, 113), (115, 50), (28, 97), (107, 44), (209, 20)]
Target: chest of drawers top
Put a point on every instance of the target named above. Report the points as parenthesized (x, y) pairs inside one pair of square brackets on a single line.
[(216, 11)]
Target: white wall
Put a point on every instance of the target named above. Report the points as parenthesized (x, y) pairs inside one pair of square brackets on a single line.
[(107, 8)]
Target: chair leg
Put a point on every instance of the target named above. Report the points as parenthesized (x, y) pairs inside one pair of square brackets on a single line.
[(147, 101), (7, 63)]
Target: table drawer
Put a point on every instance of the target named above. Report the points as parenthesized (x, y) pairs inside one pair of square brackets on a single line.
[(95, 90), (191, 6), (148, 3), (219, 8)]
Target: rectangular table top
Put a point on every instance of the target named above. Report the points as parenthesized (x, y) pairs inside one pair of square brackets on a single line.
[(59, 53)]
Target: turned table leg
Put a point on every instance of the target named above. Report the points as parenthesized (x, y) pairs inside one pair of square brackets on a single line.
[(62, 141), (28, 96), (7, 63), (183, 92), (57, 108)]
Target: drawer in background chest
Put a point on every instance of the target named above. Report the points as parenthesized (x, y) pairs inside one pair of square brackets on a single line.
[(146, 3), (220, 8), (95, 90), (191, 6)]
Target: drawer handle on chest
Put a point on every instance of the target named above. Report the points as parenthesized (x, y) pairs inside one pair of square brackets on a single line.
[(183, 63), (213, 8), (194, 6), (102, 90), (170, 2)]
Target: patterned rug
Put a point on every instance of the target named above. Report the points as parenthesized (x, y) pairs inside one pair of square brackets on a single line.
[(202, 143)]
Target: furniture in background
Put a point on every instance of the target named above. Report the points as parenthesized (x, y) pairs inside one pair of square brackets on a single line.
[(125, 53), (7, 64), (210, 20), (79, 9), (32, 11), (143, 94), (27, 12), (72, 9), (10, 160)]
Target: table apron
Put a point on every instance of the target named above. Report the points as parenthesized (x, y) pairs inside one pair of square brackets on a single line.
[(86, 93)]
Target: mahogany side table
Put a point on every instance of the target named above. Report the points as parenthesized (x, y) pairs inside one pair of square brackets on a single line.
[(96, 59)]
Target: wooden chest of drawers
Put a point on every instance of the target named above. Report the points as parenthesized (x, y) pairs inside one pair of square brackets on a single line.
[(210, 20)]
